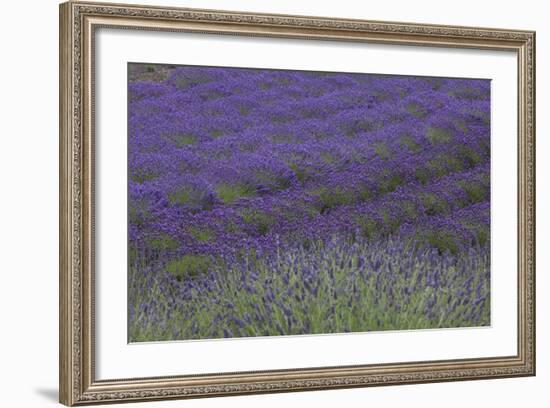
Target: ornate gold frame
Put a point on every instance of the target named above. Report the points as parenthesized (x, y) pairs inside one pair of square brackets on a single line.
[(78, 21)]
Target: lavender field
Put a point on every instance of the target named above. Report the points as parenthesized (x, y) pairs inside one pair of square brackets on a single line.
[(266, 202)]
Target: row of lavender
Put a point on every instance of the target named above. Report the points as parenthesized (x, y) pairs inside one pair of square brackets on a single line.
[(333, 286), (235, 165)]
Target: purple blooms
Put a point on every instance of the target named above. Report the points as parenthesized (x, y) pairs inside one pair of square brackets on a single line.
[(265, 202)]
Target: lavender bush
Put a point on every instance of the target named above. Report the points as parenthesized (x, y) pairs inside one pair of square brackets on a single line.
[(266, 202)]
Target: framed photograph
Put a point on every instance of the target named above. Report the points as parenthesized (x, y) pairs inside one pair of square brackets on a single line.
[(256, 203)]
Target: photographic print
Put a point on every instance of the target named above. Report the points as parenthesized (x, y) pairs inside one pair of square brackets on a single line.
[(277, 202), (328, 188)]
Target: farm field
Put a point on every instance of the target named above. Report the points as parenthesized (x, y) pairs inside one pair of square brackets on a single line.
[(270, 202)]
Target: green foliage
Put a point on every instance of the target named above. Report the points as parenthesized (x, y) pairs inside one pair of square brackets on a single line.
[(216, 133), (188, 266), (382, 150), (201, 234), (442, 240), (231, 192), (301, 172), (258, 220), (481, 231), (461, 124), (438, 135), (444, 163), (390, 183), (435, 82), (283, 138), (409, 208), (162, 242), (476, 191), (409, 142), (389, 222), (368, 227), (181, 196), (190, 197), (484, 116), (331, 198), (213, 95), (188, 79), (328, 157), (244, 110), (140, 175), (182, 139), (470, 156), (362, 125), (231, 227), (280, 119), (417, 110), (482, 235), (285, 80), (468, 92), (363, 193), (366, 125), (138, 212), (433, 205), (133, 255), (274, 181), (422, 175)]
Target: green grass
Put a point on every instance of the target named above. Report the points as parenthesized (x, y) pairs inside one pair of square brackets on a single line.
[(409, 142), (258, 220), (442, 240), (182, 139), (470, 156), (331, 198), (444, 163), (327, 157), (191, 79), (390, 223), (382, 150), (139, 213), (438, 135), (283, 138), (280, 119), (201, 234), (433, 205), (216, 134), (476, 191), (162, 242), (244, 110), (416, 110), (363, 125), (228, 193), (302, 173), (369, 228), (390, 183), (188, 266), (141, 176), (181, 196), (422, 175), (274, 181)]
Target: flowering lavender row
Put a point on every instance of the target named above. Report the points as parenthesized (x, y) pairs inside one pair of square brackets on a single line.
[(240, 165), (329, 287)]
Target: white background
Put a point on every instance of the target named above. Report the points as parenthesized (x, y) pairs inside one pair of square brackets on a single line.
[(28, 216), (117, 359)]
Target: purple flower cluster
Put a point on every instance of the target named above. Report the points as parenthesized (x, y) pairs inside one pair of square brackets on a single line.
[(236, 167)]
